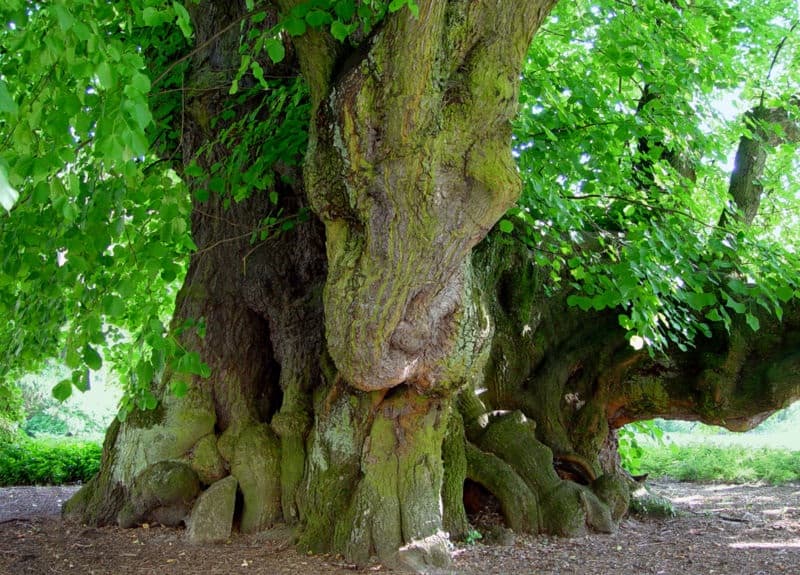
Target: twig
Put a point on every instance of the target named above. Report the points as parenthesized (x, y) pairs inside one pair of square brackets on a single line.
[(776, 54), (201, 46), (648, 207)]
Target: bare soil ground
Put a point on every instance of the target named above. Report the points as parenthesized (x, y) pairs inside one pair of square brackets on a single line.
[(720, 529)]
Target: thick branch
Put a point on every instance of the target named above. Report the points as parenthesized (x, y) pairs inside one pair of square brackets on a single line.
[(768, 127), (576, 375), (735, 380)]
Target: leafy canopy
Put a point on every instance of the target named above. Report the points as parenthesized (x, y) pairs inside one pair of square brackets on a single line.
[(630, 115), (630, 119)]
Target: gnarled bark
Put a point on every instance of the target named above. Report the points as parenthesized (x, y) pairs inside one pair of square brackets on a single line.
[(367, 362)]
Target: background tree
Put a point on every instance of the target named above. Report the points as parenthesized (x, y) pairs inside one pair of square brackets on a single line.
[(341, 351)]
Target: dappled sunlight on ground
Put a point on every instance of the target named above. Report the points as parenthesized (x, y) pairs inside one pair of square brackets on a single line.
[(795, 543), (746, 518)]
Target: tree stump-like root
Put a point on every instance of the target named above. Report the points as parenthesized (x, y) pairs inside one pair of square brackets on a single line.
[(509, 461)]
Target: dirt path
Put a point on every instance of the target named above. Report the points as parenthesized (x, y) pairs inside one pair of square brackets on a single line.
[(721, 529)]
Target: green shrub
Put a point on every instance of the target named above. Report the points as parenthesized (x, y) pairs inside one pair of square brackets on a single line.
[(48, 461), (714, 463), (45, 423), (631, 450)]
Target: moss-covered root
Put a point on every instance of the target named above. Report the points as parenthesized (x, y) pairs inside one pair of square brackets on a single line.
[(517, 501), (332, 465), (291, 425), (164, 492), (455, 472), (566, 508), (614, 491), (255, 456), (570, 508), (396, 512)]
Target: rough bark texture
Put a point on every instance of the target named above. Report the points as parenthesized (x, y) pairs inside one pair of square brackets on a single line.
[(409, 166), (368, 362), (767, 127)]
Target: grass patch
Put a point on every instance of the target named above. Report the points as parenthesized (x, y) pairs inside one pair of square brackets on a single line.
[(727, 464), (48, 461)]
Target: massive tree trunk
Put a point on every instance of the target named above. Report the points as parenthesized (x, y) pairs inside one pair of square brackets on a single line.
[(368, 362)]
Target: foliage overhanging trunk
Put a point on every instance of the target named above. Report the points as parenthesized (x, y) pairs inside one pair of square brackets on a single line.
[(368, 361)]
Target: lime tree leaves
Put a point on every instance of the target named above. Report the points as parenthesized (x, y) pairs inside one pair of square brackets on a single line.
[(97, 241), (625, 144), (343, 19)]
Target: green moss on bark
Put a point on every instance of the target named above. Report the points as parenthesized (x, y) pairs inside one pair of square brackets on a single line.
[(206, 460), (332, 466), (254, 456), (517, 501), (398, 499), (454, 457), (291, 425), (163, 492)]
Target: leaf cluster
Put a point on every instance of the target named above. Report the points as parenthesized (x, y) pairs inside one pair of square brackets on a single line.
[(97, 241), (630, 116), (345, 20)]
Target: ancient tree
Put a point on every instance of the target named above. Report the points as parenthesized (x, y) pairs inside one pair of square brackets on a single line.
[(352, 343)]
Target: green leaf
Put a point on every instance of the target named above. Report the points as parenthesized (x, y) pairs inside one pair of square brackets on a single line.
[(144, 372), (736, 306), (784, 293), (583, 302), (63, 389), (737, 286), (105, 76), (258, 73), (92, 358), (625, 322), (183, 18), (141, 83), (704, 329), (65, 19), (345, 9), (339, 30), (698, 301), (154, 17), (317, 18), (753, 322), (179, 388), (295, 26), (72, 359), (194, 170), (395, 5), (205, 370), (150, 401), (275, 49), (7, 103), (506, 226)]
